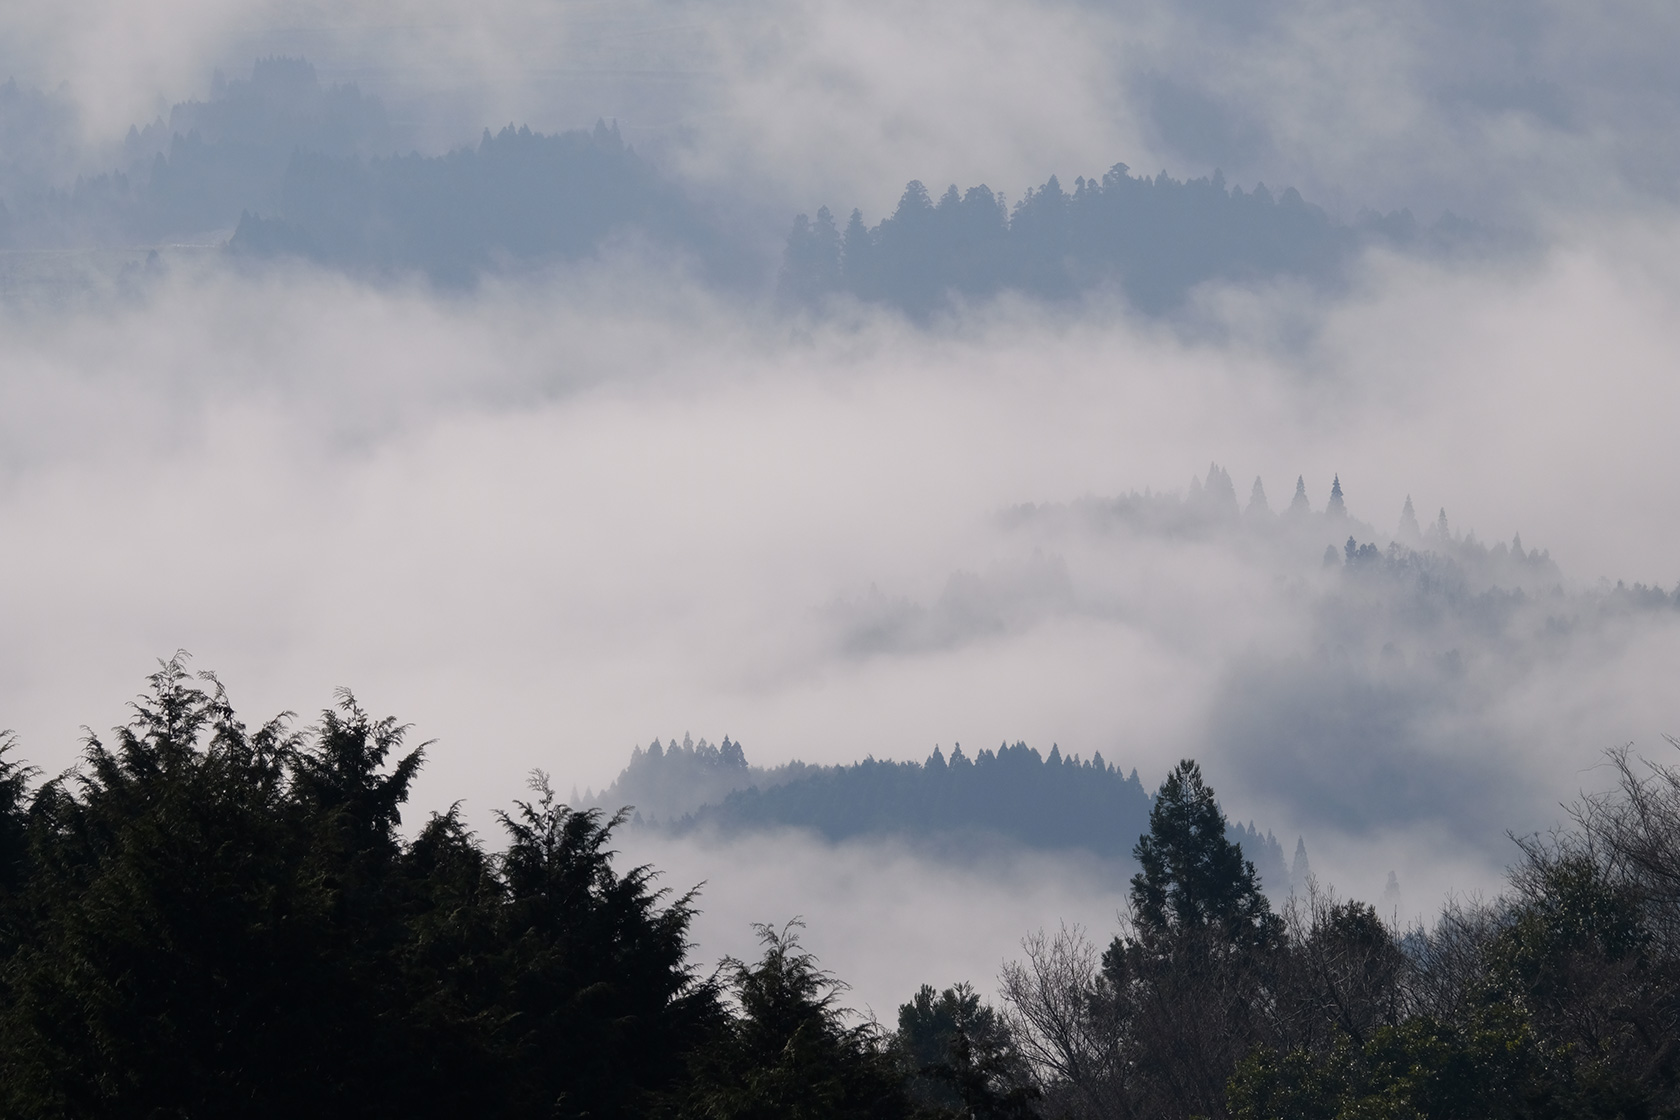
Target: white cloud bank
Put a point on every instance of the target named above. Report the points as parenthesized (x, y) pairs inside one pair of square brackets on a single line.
[(547, 524)]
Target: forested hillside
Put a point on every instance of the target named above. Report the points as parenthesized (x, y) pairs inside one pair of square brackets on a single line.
[(1153, 239), (1011, 796), (295, 167), (186, 175), (206, 919), (517, 198)]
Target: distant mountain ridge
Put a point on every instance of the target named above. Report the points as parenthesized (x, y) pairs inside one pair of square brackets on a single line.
[(1152, 238), (296, 167), (1010, 796)]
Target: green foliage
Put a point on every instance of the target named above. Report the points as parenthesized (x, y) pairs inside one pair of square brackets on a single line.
[(789, 1053), (1422, 1069), (962, 1057), (1563, 1006), (1194, 878)]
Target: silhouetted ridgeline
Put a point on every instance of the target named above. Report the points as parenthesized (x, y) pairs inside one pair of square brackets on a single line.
[(1153, 238), (1434, 555), (296, 167), (189, 175), (1013, 794), (668, 781), (315, 170), (519, 197)]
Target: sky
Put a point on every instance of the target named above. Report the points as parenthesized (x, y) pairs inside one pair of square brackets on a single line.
[(551, 518)]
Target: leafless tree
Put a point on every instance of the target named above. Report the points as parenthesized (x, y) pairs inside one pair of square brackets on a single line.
[(1340, 970), (1063, 1018)]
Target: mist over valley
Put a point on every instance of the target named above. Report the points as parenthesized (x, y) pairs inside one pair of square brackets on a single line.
[(846, 461)]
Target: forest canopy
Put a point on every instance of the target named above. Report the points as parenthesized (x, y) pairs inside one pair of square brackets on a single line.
[(209, 919)]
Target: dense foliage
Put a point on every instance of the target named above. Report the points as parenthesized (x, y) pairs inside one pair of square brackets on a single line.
[(204, 920), (1560, 1000)]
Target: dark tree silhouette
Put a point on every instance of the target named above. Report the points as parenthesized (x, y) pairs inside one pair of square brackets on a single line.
[(1193, 878)]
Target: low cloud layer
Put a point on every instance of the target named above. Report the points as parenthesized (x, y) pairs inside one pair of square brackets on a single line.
[(882, 918), (548, 523)]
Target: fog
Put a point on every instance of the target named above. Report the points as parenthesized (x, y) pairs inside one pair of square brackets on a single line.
[(1505, 113), (550, 516)]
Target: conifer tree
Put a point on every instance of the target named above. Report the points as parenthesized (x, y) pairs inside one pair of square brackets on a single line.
[(1409, 532), (1299, 505), (1299, 869), (1336, 508), (1193, 877), (790, 1051)]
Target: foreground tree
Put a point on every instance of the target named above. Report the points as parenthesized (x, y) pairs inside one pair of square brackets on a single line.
[(962, 1057), (790, 1052), (205, 920), (1560, 1000), (1195, 886), (1155, 1026)]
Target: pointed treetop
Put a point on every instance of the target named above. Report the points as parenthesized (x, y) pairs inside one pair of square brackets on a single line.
[(1257, 503), (1409, 531), (1193, 876), (1221, 492), (1299, 504), (1336, 508)]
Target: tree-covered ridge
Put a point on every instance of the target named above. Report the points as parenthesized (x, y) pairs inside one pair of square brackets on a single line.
[(195, 172), (1152, 238), (298, 167), (667, 781), (518, 197), (1013, 795), (1209, 509), (1013, 792)]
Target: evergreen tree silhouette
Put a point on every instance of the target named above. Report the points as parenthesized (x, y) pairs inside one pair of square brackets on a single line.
[(1298, 506), (1409, 532), (1335, 508), (1193, 877)]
